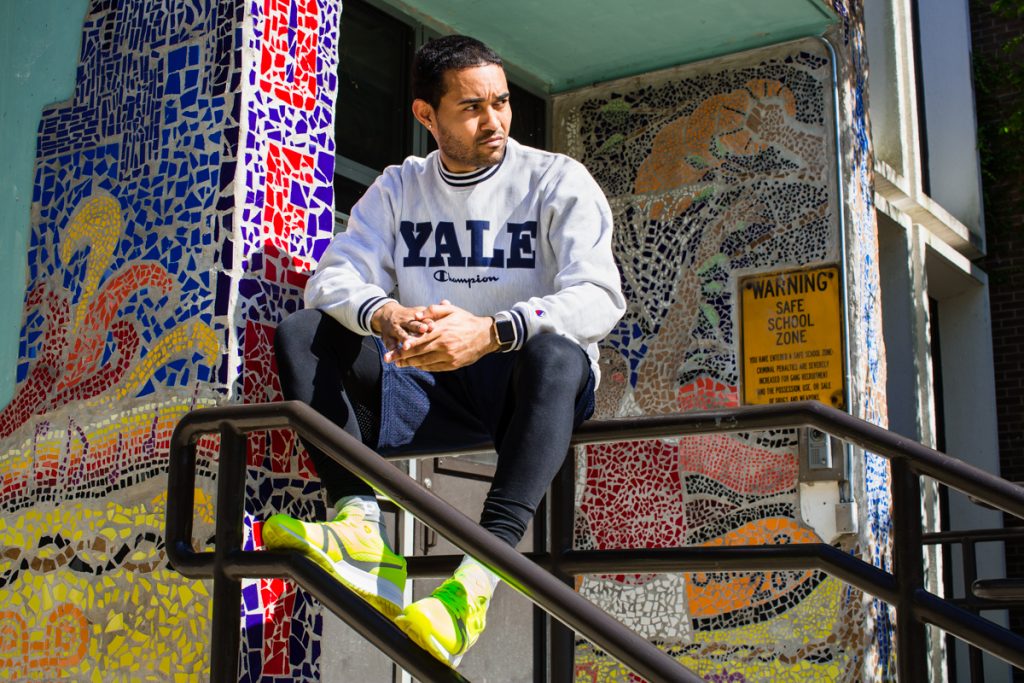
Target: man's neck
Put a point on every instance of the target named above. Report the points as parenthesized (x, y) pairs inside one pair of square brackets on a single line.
[(466, 171), (463, 171)]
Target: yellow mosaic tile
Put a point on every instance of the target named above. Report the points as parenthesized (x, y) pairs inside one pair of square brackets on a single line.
[(57, 624)]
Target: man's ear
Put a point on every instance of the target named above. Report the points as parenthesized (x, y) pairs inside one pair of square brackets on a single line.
[(424, 113)]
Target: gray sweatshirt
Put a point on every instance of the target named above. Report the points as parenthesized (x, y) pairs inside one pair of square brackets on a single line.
[(528, 240)]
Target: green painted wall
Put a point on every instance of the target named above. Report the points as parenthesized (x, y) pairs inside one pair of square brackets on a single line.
[(567, 44), (39, 46)]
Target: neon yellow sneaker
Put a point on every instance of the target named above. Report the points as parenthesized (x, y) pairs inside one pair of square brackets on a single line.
[(449, 621), (351, 550)]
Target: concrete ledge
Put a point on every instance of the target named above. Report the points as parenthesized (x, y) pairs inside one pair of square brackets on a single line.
[(925, 211)]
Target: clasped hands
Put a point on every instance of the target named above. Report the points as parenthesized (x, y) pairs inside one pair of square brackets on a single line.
[(434, 338)]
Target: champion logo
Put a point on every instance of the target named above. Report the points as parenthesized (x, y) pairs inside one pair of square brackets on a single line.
[(540, 313)]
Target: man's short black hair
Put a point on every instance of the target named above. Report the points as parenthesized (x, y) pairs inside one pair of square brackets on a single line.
[(446, 54)]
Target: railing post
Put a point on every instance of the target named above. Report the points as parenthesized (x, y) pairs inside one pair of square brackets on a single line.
[(911, 633), (227, 592), (541, 620), (970, 563), (562, 639)]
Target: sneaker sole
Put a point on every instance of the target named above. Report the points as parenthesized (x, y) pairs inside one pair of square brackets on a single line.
[(365, 585), (422, 636)]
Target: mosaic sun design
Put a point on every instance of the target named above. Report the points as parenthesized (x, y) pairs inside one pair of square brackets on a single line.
[(712, 172)]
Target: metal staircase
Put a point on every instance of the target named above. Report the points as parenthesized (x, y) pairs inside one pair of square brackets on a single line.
[(545, 578)]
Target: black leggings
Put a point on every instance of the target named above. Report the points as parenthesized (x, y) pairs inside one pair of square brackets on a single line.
[(549, 393)]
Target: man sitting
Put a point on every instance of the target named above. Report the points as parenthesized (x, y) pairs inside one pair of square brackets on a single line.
[(463, 303)]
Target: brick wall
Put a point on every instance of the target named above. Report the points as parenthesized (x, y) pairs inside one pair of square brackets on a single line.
[(1004, 221)]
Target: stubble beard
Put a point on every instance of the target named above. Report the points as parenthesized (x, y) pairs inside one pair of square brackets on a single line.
[(460, 153)]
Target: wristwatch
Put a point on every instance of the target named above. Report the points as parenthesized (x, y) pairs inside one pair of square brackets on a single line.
[(505, 331)]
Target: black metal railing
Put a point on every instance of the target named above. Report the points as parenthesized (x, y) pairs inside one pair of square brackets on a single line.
[(979, 595), (542, 576)]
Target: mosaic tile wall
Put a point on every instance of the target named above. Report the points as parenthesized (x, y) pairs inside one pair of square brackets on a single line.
[(284, 221), (713, 172), (868, 370), (158, 267)]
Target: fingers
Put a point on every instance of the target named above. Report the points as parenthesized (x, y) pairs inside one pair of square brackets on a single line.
[(439, 366), (417, 346), (394, 347), (413, 320), (438, 311), (410, 347), (431, 361), (411, 333), (418, 327), (396, 338), (401, 325)]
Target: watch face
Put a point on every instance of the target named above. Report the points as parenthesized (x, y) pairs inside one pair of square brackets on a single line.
[(506, 333)]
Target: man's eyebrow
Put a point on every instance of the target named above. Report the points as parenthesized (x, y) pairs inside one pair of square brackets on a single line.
[(478, 100)]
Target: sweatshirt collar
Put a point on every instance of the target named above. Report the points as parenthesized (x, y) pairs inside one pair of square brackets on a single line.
[(471, 178)]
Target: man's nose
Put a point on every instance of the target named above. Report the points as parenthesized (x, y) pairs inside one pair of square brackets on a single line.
[(492, 121)]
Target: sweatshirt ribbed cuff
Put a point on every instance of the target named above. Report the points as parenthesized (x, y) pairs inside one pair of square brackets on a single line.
[(365, 313)]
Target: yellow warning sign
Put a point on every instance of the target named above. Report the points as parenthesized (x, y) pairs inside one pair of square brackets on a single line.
[(792, 337)]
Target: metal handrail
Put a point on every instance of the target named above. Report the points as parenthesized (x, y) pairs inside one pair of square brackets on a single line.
[(979, 594), (229, 564), (914, 605)]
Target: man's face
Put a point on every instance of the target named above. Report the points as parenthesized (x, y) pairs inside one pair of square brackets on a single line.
[(472, 120)]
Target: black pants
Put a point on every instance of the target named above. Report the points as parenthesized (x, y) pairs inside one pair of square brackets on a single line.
[(527, 402)]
